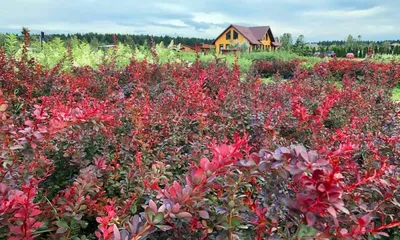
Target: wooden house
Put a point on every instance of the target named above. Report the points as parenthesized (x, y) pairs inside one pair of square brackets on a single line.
[(257, 38)]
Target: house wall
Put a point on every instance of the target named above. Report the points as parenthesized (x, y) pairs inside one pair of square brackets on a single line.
[(222, 39), (267, 42)]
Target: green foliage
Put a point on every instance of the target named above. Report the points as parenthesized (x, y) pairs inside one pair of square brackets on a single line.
[(305, 231), (94, 43), (243, 46), (385, 58), (300, 42), (51, 53), (2, 40), (396, 94), (12, 44)]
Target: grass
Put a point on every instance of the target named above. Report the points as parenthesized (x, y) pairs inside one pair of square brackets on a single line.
[(396, 94), (339, 85), (267, 80)]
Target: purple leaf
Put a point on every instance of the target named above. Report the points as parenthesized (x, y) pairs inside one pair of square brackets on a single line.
[(117, 234), (276, 165), (277, 156), (164, 227), (204, 214), (310, 219), (284, 150), (341, 208), (383, 234), (313, 156), (304, 156), (299, 149), (135, 224), (184, 215), (153, 206), (263, 166)]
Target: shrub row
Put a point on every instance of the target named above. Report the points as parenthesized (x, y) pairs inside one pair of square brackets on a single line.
[(178, 151)]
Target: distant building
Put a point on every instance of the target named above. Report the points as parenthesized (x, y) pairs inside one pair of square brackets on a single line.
[(258, 38), (393, 45), (108, 46), (312, 45), (204, 48), (186, 48)]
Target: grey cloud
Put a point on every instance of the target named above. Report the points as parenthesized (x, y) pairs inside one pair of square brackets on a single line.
[(316, 19)]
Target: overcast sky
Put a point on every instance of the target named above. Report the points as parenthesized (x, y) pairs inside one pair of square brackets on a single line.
[(315, 19)]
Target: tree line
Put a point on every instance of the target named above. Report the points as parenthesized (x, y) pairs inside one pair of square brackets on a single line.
[(97, 39), (359, 47)]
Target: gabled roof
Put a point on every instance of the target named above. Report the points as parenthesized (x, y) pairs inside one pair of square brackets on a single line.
[(253, 34), (259, 32)]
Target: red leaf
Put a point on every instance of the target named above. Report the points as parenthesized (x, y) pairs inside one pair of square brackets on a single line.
[(35, 212), (203, 163), (175, 208), (310, 219), (153, 206), (99, 219), (199, 176)]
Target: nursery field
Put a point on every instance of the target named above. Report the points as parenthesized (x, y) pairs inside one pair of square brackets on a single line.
[(157, 144)]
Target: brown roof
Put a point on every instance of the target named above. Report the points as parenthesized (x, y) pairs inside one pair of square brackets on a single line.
[(203, 46), (208, 46), (253, 34), (276, 43), (259, 32)]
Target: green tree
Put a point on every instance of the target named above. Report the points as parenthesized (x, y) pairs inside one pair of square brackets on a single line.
[(349, 41), (396, 50), (244, 46), (300, 42), (286, 41), (94, 43), (2, 40), (129, 41), (385, 47)]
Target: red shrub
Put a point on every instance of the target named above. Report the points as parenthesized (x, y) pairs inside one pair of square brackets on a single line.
[(183, 151)]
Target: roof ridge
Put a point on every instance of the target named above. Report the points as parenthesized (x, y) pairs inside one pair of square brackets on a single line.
[(252, 34)]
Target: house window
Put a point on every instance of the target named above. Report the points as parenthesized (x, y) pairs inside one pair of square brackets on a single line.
[(221, 46), (227, 46), (228, 35), (235, 35)]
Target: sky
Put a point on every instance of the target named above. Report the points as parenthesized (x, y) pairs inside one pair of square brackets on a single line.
[(315, 19)]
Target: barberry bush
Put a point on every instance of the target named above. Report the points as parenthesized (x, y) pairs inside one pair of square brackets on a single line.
[(158, 150)]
